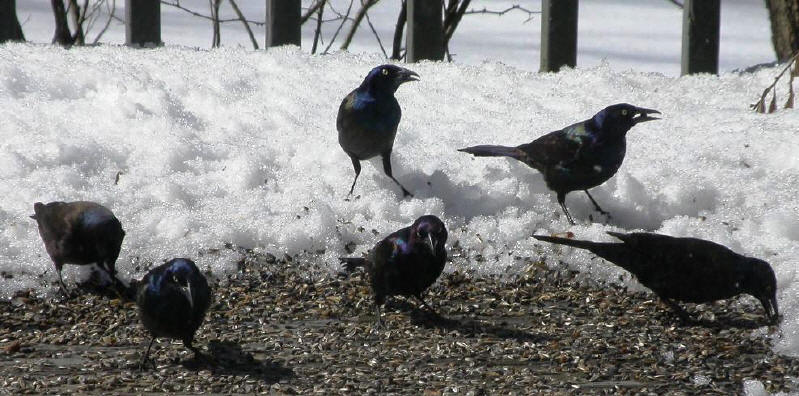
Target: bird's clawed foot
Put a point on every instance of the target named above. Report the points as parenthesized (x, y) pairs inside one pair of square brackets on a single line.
[(597, 207)]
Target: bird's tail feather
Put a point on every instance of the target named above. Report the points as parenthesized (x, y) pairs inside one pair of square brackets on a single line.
[(567, 241), (493, 151), (614, 252), (351, 263)]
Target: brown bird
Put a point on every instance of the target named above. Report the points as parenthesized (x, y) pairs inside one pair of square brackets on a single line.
[(79, 233)]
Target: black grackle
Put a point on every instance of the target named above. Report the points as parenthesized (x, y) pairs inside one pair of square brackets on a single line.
[(406, 262), (368, 118), (79, 233), (580, 156), (172, 300), (686, 269)]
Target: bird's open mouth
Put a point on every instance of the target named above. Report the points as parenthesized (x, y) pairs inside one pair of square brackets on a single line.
[(644, 115)]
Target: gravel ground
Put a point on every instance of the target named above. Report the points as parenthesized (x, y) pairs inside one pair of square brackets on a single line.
[(276, 329)]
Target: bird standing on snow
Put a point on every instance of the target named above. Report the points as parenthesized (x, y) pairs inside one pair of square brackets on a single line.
[(580, 156), (406, 262), (79, 233), (172, 300), (686, 269), (368, 118)]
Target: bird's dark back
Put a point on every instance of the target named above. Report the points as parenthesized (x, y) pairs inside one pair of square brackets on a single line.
[(79, 232), (165, 311), (686, 269), (575, 158)]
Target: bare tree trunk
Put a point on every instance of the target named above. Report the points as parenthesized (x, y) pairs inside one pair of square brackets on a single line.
[(62, 35), (9, 24), (784, 15), (399, 31)]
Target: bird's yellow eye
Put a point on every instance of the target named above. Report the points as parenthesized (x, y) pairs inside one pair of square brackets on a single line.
[(624, 112), (385, 72)]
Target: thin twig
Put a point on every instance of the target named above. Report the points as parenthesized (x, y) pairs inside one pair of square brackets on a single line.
[(344, 20), (244, 22), (318, 31), (313, 8), (357, 22), (376, 35), (761, 104), (485, 10), (177, 5), (111, 10)]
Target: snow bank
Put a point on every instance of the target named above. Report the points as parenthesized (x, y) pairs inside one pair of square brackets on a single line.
[(238, 146)]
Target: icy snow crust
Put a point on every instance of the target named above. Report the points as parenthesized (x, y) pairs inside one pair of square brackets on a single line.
[(238, 146)]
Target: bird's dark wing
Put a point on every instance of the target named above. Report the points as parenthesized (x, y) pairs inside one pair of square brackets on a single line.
[(554, 148)]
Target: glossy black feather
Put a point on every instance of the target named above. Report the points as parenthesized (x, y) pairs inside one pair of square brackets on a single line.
[(173, 299), (79, 233), (580, 156), (686, 269), (406, 262), (368, 118)]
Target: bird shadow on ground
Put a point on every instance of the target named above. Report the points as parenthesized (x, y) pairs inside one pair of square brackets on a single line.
[(728, 320), (465, 326), (227, 358)]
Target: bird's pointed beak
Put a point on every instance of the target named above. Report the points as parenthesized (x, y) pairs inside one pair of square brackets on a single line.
[(187, 292), (408, 75), (431, 243), (644, 115)]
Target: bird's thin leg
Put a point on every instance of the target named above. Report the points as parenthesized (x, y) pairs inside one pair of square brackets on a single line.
[(596, 205), (378, 320), (109, 268), (424, 304), (562, 202), (387, 169), (680, 311), (356, 163), (146, 355), (58, 267)]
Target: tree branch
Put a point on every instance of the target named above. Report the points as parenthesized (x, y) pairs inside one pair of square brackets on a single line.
[(357, 22), (244, 22), (343, 21), (398, 32)]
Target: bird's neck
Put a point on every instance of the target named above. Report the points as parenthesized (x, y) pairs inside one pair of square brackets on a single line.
[(371, 89)]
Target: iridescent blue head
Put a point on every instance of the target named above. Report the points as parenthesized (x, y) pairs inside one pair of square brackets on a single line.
[(619, 118), (760, 282), (387, 78), (179, 274), (430, 231)]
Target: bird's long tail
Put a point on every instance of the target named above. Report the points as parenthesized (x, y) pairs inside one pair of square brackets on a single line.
[(567, 241), (351, 263), (614, 252), (493, 151)]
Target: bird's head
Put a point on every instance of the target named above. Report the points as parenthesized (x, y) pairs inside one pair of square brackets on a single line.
[(387, 78), (619, 118), (760, 282), (179, 274), (430, 231)]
